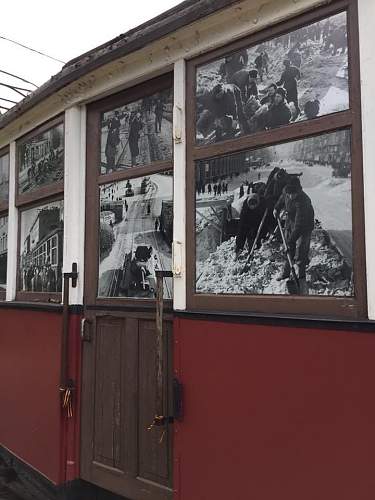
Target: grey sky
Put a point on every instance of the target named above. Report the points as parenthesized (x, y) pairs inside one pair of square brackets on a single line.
[(63, 30)]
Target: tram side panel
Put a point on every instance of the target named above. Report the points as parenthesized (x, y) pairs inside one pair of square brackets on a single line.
[(272, 410)]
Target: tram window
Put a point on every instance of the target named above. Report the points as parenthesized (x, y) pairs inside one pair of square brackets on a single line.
[(4, 197), (3, 253), (274, 185), (137, 133), (135, 236), (267, 85), (4, 180), (293, 188), (40, 162), (39, 263)]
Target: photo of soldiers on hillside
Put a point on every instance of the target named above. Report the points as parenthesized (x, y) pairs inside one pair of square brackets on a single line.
[(297, 76)]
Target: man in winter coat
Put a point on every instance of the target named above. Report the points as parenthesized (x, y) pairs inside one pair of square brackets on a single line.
[(288, 80), (298, 227), (279, 112), (251, 215)]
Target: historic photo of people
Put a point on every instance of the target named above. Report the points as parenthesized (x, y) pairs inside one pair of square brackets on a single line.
[(136, 233), (3, 252), (41, 241), (276, 220), (4, 178), (41, 160), (137, 133), (297, 76)]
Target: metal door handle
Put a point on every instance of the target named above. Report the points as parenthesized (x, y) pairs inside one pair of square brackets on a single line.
[(85, 332)]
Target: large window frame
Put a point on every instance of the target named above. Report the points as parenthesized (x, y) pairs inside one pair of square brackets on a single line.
[(94, 180), (353, 307), (4, 208), (41, 196)]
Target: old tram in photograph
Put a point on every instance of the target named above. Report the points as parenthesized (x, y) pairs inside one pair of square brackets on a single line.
[(186, 261)]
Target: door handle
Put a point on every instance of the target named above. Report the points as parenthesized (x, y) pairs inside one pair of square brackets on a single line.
[(86, 330)]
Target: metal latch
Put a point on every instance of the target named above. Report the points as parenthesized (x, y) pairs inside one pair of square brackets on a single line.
[(86, 330)]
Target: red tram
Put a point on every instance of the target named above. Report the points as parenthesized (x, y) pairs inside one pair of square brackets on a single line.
[(187, 278)]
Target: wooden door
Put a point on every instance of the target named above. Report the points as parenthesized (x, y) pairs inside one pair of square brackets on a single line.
[(128, 239), (119, 452)]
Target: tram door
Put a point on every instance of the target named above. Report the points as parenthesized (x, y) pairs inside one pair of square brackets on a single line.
[(126, 373)]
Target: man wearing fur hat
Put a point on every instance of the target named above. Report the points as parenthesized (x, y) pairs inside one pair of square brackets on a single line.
[(298, 226), (279, 112)]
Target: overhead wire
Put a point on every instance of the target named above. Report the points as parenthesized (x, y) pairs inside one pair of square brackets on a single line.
[(31, 49), (18, 77)]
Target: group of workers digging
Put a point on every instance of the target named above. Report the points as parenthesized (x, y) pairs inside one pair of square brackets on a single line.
[(260, 219)]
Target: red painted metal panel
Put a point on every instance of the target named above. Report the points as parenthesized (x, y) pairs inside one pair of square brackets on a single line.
[(274, 413), (31, 423)]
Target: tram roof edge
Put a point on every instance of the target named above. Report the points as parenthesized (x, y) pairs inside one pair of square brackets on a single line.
[(137, 38)]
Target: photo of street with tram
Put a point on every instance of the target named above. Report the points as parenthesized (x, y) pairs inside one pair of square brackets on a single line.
[(3, 252), (41, 160), (4, 178), (296, 76), (136, 232), (277, 220), (138, 133), (41, 252)]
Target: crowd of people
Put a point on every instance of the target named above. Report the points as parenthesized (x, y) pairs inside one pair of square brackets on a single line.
[(216, 189), (239, 105), (42, 278)]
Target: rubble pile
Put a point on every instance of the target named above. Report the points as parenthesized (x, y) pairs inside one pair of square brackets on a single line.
[(327, 274)]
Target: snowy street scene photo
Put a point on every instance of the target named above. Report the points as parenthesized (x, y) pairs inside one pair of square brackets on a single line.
[(296, 76), (4, 177), (138, 133), (41, 160), (136, 232), (276, 220)]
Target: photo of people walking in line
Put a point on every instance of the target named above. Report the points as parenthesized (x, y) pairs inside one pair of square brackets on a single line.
[(41, 252), (296, 76), (276, 220), (138, 133), (136, 232), (4, 178), (41, 160)]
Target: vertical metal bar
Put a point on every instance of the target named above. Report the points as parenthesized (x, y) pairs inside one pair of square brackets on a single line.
[(65, 330), (159, 345)]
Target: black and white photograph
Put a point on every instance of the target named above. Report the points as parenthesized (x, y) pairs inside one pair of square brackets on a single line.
[(136, 232), (41, 248), (3, 252), (294, 77), (276, 220), (4, 178), (138, 133), (41, 160)]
